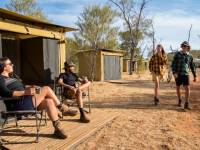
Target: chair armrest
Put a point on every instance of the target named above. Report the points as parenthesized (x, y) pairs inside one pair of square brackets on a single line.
[(9, 98)]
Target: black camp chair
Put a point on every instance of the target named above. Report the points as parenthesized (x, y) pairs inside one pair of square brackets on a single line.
[(20, 114), (59, 91)]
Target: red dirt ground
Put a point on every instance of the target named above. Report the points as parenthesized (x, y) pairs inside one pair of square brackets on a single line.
[(142, 125)]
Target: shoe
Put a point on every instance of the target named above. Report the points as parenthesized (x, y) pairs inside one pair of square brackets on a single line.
[(59, 132), (179, 102), (156, 101), (66, 111), (84, 119), (187, 106)]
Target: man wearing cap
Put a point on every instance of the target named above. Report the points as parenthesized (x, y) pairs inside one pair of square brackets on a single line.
[(69, 80), (181, 64)]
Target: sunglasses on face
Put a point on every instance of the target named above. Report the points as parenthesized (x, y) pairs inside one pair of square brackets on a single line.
[(183, 46), (10, 64)]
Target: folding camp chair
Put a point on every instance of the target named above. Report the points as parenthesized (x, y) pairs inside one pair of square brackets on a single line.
[(7, 114), (59, 91)]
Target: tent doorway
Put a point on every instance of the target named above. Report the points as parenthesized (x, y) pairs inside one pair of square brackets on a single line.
[(36, 59)]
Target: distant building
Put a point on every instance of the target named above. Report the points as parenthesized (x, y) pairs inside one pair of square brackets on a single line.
[(108, 64)]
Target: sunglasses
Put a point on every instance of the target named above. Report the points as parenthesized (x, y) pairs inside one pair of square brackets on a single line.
[(184, 46), (10, 64)]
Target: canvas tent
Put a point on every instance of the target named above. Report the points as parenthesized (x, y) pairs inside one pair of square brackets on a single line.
[(37, 48), (108, 64)]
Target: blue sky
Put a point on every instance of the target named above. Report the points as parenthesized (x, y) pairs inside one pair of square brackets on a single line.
[(172, 18)]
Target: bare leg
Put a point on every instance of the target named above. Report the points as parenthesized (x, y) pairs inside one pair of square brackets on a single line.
[(178, 91), (51, 108), (83, 117), (79, 98), (157, 86), (46, 92), (187, 93), (84, 86)]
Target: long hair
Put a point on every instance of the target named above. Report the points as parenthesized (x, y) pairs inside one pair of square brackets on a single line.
[(163, 50), (2, 63)]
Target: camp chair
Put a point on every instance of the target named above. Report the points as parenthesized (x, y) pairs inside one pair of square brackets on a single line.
[(18, 115), (59, 91)]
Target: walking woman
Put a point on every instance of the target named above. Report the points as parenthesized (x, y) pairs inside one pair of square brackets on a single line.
[(157, 67)]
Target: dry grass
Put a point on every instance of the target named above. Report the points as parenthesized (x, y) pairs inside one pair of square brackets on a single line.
[(141, 125)]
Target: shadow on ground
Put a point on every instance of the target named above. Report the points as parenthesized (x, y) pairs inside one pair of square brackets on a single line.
[(144, 100)]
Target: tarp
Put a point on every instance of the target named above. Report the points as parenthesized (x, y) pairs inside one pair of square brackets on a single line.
[(32, 60), (36, 60), (10, 48), (51, 59), (40, 60)]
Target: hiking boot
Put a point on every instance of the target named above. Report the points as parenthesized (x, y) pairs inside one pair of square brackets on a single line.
[(156, 101), (66, 111), (59, 132), (84, 119), (187, 106), (179, 102)]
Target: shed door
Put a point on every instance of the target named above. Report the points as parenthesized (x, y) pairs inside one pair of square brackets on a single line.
[(112, 69)]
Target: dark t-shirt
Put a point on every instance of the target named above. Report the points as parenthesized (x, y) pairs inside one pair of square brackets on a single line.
[(7, 86), (69, 78)]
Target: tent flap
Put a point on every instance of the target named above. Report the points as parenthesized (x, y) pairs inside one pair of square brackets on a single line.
[(51, 61)]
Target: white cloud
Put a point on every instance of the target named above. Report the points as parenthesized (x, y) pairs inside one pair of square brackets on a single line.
[(172, 28), (64, 19), (171, 25)]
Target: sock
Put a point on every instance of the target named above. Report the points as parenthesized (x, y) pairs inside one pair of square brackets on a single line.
[(81, 111), (55, 122), (59, 106)]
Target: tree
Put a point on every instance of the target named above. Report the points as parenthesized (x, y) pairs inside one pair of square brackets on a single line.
[(26, 7), (135, 22), (72, 49), (96, 31), (189, 33), (125, 39)]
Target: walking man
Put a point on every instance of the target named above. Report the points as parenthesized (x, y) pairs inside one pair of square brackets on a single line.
[(181, 64)]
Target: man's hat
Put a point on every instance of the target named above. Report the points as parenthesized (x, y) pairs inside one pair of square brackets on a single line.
[(185, 43), (67, 65)]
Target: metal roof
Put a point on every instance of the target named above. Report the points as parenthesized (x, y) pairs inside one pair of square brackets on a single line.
[(104, 50), (10, 15)]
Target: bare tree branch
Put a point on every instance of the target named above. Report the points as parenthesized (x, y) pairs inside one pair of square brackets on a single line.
[(153, 39), (189, 33)]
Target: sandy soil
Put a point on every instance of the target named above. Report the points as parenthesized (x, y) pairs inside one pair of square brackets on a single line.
[(141, 125)]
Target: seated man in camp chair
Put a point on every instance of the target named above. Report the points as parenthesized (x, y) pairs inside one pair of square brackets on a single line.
[(29, 99), (74, 87)]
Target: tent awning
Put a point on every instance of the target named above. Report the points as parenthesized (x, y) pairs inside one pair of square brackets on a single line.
[(10, 15)]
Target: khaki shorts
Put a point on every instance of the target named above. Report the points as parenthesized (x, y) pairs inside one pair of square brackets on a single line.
[(69, 94), (155, 76)]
